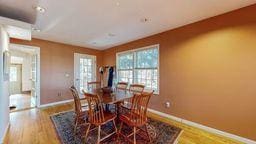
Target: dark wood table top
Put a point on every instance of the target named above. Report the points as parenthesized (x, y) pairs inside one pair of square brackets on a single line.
[(113, 98)]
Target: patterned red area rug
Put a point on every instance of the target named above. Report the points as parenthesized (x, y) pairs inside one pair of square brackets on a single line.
[(160, 133)]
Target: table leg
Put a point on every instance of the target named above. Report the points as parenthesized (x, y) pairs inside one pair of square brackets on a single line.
[(107, 107), (118, 106)]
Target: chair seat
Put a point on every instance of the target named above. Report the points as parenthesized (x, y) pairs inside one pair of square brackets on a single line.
[(132, 119), (108, 116)]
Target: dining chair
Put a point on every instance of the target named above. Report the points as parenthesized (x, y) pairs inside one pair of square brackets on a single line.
[(98, 117), (93, 85), (136, 118), (134, 88), (81, 111), (121, 86)]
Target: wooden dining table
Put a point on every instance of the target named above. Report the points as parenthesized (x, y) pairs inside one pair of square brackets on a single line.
[(116, 97)]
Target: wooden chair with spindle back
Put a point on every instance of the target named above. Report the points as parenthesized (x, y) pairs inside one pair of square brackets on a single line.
[(121, 86), (81, 111), (137, 116), (98, 117), (136, 89), (93, 85)]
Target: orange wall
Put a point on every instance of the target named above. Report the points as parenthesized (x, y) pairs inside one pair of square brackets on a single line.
[(56, 60), (207, 71)]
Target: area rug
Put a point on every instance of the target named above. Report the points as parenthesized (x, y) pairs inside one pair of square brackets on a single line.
[(160, 133)]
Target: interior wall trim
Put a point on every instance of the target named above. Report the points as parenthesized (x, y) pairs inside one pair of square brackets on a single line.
[(5, 133), (206, 128), (56, 103)]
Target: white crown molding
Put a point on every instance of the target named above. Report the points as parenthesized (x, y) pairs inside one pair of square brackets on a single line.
[(206, 128)]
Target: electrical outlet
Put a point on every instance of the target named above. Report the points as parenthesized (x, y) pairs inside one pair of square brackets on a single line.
[(167, 104), (59, 93)]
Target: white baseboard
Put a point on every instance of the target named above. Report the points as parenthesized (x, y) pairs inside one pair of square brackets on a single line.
[(56, 103), (5, 133), (206, 128)]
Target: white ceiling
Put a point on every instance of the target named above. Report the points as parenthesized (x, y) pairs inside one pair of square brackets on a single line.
[(88, 23)]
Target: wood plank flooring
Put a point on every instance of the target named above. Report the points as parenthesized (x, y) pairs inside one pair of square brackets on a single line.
[(34, 126), (21, 101)]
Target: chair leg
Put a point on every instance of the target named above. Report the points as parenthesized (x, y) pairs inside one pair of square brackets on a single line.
[(98, 141), (147, 133), (76, 123), (120, 129), (134, 135), (114, 123), (87, 132)]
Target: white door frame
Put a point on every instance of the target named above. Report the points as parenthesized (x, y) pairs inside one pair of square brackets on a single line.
[(37, 52)]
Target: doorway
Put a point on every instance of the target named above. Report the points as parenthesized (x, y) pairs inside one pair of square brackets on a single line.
[(15, 78), (85, 70), (24, 77)]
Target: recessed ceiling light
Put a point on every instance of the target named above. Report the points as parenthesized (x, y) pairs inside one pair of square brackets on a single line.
[(40, 9), (36, 30), (117, 3), (111, 35), (144, 20)]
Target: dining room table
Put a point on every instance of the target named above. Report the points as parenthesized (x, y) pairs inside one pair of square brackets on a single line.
[(115, 96)]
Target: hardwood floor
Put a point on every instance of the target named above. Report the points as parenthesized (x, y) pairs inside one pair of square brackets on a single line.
[(35, 127), (192, 135), (21, 101)]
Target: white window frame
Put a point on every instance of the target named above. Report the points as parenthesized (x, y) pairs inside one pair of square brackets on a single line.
[(133, 69)]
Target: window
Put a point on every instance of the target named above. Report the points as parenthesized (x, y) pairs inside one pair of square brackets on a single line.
[(125, 67), (140, 66)]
